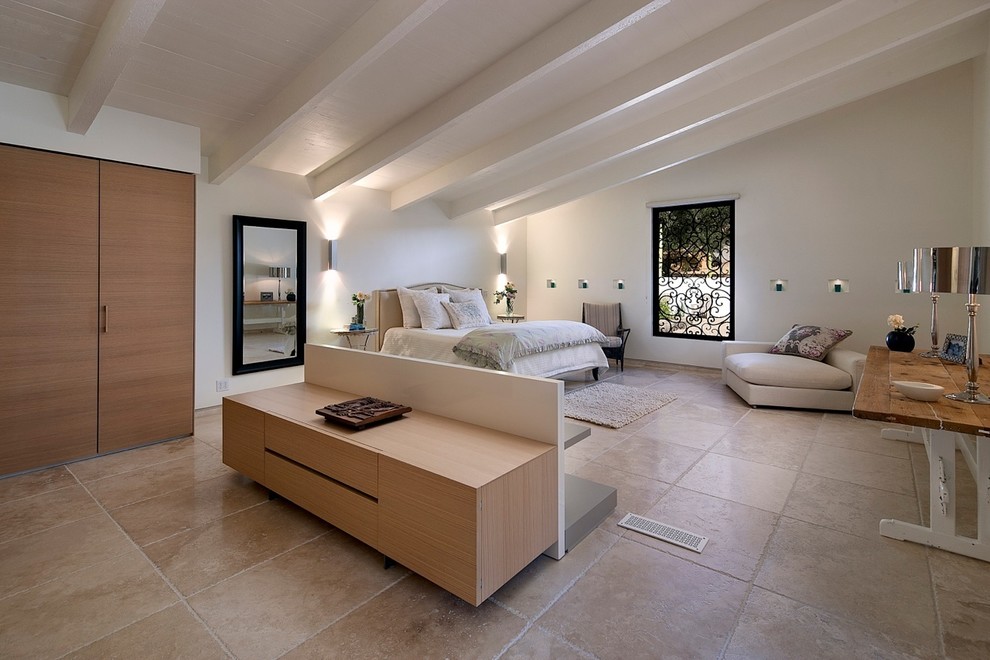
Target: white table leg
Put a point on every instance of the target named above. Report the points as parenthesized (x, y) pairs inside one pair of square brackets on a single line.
[(941, 446)]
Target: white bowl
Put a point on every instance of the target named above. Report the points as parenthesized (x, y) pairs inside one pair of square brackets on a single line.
[(918, 391)]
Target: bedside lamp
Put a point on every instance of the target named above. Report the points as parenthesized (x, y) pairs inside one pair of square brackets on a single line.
[(279, 272)]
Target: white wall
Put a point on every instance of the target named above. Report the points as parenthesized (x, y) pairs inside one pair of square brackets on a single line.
[(844, 194), (378, 248), (30, 118)]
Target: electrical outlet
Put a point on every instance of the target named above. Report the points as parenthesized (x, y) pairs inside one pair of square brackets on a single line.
[(223, 385)]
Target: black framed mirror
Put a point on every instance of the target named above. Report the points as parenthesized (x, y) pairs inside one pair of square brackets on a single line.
[(269, 294)]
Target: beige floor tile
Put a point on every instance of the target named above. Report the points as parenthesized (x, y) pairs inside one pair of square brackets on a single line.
[(40, 512), (159, 517), (772, 626), (860, 435), (688, 613), (633, 493), (686, 432), (134, 459), (847, 507), (962, 591), (415, 619), (702, 410), (32, 560), (170, 633), (201, 557), (781, 448), (799, 423), (601, 440), (537, 585), (538, 644), (651, 458), (881, 583), (126, 488), (860, 467), (737, 534), (272, 608), (754, 484), (65, 614), (35, 483)]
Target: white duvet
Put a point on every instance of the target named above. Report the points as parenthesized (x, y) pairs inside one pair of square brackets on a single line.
[(437, 345)]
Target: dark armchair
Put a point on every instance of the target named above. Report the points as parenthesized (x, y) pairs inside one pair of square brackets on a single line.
[(607, 318)]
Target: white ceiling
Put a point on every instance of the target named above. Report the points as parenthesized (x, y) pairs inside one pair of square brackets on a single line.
[(514, 106)]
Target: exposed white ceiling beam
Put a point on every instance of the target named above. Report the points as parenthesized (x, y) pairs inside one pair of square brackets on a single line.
[(119, 37), (845, 86), (378, 30), (769, 20), (581, 30), (869, 40)]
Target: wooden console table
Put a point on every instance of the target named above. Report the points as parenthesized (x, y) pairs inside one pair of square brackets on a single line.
[(464, 506), (943, 426)]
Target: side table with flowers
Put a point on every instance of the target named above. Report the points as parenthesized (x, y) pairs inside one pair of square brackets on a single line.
[(901, 338), (509, 295), (357, 321)]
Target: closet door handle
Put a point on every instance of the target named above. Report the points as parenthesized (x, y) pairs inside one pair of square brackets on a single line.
[(106, 319)]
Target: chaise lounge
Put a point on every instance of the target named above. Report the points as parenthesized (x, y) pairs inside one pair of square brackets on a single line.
[(789, 381)]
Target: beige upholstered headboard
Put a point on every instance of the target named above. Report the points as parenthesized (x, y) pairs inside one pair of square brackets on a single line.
[(388, 313)]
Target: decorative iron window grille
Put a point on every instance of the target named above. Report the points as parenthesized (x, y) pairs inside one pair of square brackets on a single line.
[(695, 249)]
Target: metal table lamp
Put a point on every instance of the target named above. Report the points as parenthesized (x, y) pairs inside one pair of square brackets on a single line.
[(965, 270), (926, 279), (279, 272)]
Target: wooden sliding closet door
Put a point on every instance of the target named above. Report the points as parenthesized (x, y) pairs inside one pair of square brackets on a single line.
[(49, 232), (147, 298)]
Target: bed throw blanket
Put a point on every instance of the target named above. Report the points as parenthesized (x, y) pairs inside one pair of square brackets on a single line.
[(496, 346)]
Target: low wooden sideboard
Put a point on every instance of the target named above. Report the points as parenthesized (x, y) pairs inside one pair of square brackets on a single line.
[(465, 506)]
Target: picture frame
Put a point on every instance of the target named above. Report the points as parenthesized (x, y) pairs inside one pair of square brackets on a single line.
[(268, 296), (954, 349)]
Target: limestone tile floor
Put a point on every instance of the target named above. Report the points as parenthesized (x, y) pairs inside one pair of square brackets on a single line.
[(163, 552)]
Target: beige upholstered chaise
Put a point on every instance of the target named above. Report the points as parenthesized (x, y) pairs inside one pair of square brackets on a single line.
[(788, 381)]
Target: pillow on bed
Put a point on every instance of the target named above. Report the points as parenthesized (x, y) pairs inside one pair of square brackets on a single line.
[(407, 301), (464, 314), (431, 312), (474, 296)]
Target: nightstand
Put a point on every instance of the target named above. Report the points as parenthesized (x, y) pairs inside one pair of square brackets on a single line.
[(511, 318), (355, 338)]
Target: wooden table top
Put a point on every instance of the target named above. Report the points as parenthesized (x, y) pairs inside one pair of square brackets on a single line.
[(877, 399)]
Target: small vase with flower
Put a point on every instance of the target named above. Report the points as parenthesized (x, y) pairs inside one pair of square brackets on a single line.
[(901, 338)]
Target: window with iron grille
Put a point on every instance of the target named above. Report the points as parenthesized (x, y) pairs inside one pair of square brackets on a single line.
[(694, 248)]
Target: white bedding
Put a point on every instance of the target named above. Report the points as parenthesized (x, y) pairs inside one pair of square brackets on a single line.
[(437, 345)]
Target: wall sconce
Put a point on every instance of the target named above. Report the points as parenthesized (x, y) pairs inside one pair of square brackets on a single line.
[(332, 254), (551, 284), (778, 285), (582, 284), (618, 284), (502, 263), (838, 285)]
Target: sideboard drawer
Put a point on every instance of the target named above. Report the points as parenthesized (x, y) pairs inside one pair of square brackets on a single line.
[(345, 509), (343, 461)]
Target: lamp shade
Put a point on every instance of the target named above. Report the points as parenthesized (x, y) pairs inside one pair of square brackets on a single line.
[(960, 270), (280, 272)]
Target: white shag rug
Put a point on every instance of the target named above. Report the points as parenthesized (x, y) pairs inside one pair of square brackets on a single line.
[(611, 405)]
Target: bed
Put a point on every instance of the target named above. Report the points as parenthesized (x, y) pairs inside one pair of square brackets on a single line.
[(578, 347)]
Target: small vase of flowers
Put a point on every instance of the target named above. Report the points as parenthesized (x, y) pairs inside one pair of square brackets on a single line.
[(508, 294), (901, 338), (357, 321)]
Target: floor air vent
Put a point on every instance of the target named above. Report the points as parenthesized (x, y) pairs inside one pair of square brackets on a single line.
[(664, 532)]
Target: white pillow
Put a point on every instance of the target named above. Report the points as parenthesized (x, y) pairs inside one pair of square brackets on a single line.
[(464, 314), (407, 301), (475, 296), (431, 312)]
